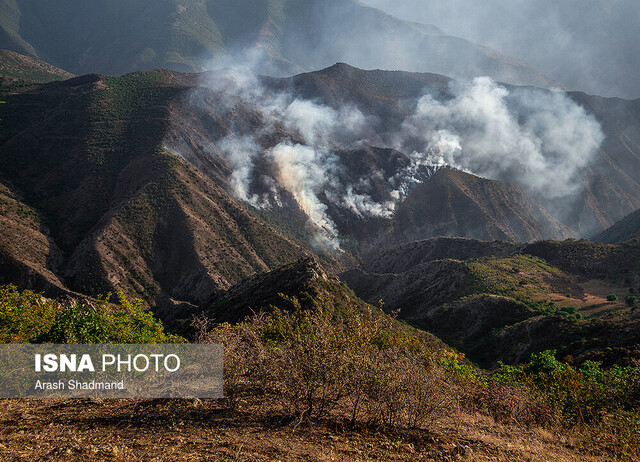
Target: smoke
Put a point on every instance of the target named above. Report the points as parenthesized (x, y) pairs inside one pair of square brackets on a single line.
[(306, 172), (538, 139), (294, 147), (363, 206), (240, 153), (319, 124), (304, 163), (588, 45)]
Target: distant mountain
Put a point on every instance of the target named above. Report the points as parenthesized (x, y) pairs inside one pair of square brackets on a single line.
[(588, 45), (128, 183), (122, 36), (625, 229), (504, 301), (16, 68)]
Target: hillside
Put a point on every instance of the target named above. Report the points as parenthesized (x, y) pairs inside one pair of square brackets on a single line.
[(20, 69), (84, 173), (363, 162), (365, 383), (609, 187), (304, 281), (123, 36), (624, 230), (454, 203), (504, 301), (158, 157)]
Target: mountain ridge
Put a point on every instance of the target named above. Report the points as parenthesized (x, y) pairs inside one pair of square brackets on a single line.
[(138, 219), (112, 168), (501, 301), (186, 36), (17, 68)]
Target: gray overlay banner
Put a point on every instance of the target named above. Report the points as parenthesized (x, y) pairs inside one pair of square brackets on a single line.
[(111, 371)]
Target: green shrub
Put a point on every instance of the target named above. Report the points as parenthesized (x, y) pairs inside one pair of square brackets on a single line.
[(569, 309), (28, 317), (631, 300), (581, 394), (612, 297)]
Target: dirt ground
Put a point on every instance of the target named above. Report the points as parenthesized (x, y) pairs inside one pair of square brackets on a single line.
[(123, 430)]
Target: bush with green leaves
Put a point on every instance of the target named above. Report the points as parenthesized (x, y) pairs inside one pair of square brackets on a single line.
[(581, 393), (28, 317), (606, 402)]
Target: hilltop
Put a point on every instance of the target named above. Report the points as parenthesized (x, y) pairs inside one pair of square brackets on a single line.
[(16, 69)]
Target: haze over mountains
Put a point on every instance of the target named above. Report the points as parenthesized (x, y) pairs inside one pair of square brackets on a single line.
[(281, 38), (275, 169), (573, 155), (587, 45)]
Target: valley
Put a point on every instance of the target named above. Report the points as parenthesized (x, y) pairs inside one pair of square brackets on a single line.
[(440, 262)]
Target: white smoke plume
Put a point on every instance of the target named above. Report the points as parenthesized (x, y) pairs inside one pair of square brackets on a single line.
[(306, 170), (319, 124), (536, 138), (423, 163), (240, 153)]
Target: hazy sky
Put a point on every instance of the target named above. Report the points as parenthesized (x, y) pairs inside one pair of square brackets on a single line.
[(589, 45)]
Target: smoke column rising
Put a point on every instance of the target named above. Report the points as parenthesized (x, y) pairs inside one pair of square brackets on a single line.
[(536, 138)]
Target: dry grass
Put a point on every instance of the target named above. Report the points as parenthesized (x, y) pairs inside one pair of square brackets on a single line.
[(122, 430)]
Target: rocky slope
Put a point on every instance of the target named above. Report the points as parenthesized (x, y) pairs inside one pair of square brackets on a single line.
[(454, 203), (84, 174)]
